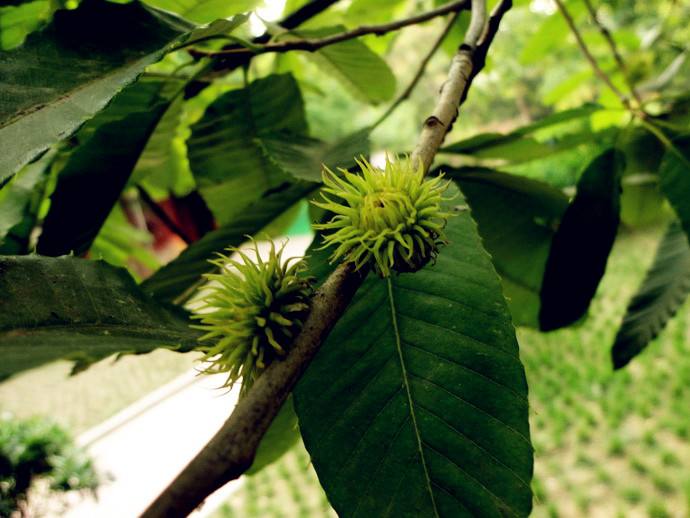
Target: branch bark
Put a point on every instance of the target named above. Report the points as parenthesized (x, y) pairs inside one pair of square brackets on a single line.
[(231, 451), (439, 123), (312, 45), (420, 72)]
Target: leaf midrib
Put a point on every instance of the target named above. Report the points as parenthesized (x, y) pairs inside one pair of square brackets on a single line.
[(408, 392)]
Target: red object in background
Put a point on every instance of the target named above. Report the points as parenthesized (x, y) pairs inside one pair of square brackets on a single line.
[(177, 221)]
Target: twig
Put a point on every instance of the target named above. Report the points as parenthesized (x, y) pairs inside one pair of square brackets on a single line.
[(438, 124), (232, 449), (311, 45), (590, 58), (420, 72), (291, 21), (614, 50)]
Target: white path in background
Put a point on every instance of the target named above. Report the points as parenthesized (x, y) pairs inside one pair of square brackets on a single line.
[(147, 444), (150, 442)]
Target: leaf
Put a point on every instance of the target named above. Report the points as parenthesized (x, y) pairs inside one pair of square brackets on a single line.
[(205, 11), (550, 34), (17, 21), (520, 146), (20, 200), (581, 246), (163, 167), (416, 404), (663, 291), (183, 272), (282, 435), (304, 157), (225, 149), (674, 173), (96, 172), (54, 82), (366, 74), (122, 244), (77, 309), (517, 218), (642, 202)]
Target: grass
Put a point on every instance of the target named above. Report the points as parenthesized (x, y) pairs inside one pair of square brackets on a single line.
[(607, 443)]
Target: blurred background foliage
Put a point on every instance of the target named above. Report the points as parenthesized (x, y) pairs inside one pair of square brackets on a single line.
[(606, 443)]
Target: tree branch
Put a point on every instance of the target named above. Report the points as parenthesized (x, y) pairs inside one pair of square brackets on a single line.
[(291, 21), (590, 58), (231, 451), (438, 124), (312, 45), (614, 50), (420, 72)]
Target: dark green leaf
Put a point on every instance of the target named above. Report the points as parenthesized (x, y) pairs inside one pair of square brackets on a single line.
[(517, 218), (56, 81), (304, 157), (226, 154), (663, 291), (177, 276), (416, 404), (363, 71), (97, 171), (582, 243), (675, 179), (72, 308)]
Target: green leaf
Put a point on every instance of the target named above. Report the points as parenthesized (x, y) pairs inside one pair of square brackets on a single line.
[(120, 243), (363, 71), (282, 435), (72, 308), (226, 153), (416, 404), (18, 21), (551, 34), (304, 157), (581, 246), (642, 202), (163, 166), (674, 173), (20, 200), (663, 291), (187, 269), (54, 82), (96, 172), (521, 146), (205, 11), (517, 218)]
